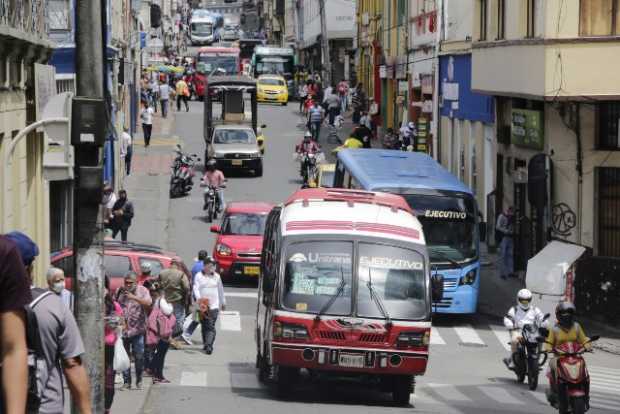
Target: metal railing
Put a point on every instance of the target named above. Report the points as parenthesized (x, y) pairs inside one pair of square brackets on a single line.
[(24, 15)]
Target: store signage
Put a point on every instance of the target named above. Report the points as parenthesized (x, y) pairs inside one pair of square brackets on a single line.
[(403, 86), (382, 72), (427, 84), (451, 91), (527, 129), (427, 106)]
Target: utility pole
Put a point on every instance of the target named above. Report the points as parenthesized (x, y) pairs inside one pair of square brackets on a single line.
[(327, 64), (87, 232)]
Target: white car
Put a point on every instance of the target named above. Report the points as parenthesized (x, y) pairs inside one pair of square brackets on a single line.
[(236, 147)]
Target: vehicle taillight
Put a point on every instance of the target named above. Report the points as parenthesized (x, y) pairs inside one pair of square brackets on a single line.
[(407, 339)]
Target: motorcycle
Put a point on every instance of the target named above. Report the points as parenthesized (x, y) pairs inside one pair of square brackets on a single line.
[(528, 359), (309, 170), (182, 173), (260, 138), (211, 203), (571, 381)]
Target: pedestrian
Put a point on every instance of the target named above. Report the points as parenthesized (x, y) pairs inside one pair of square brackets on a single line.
[(315, 119), (146, 115), (145, 273), (14, 296), (56, 284), (134, 299), (126, 150), (209, 294), (175, 288), (302, 91), (199, 264), (108, 200), (343, 94), (182, 90), (123, 214), (154, 86), (113, 325), (333, 107), (60, 339), (164, 96), (149, 350), (159, 334), (504, 229)]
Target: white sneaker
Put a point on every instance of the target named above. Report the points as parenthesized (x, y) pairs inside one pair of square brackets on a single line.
[(186, 338)]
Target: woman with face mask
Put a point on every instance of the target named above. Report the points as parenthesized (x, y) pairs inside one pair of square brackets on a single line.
[(56, 283)]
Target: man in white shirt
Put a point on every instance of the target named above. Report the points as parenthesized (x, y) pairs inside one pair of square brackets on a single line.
[(56, 283), (208, 286), (126, 149), (108, 200), (164, 96)]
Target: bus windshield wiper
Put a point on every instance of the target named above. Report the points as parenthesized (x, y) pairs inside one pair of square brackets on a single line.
[(445, 257), (375, 297), (333, 298)]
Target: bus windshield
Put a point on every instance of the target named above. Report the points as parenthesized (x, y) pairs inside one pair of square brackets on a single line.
[(449, 224), (202, 28), (215, 61), (274, 64), (315, 272), (394, 274)]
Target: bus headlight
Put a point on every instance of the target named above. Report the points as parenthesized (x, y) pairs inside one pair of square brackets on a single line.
[(469, 278), (289, 331), (407, 339)]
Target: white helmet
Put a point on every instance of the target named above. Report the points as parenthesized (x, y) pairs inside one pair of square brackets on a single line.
[(524, 297), (166, 308), (145, 267)]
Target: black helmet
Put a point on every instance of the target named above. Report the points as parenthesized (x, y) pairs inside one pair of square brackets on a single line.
[(565, 314), (211, 164)]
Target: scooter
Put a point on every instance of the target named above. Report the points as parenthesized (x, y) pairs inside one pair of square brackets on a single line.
[(571, 381), (528, 359), (182, 173)]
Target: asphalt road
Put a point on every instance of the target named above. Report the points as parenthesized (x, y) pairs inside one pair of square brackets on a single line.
[(465, 373)]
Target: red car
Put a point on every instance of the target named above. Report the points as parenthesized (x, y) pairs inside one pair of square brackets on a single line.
[(120, 258), (240, 239)]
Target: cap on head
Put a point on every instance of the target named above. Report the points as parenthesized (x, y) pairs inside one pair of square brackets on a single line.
[(28, 249), (202, 255), (209, 260)]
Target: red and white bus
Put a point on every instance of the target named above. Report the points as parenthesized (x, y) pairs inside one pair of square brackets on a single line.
[(345, 290), (209, 59)]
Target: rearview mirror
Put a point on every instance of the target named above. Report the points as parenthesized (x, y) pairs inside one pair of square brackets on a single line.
[(215, 229), (482, 229), (437, 288)]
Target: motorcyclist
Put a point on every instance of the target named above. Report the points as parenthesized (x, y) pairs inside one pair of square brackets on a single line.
[(407, 134), (566, 329), (215, 178), (306, 146), (518, 316)]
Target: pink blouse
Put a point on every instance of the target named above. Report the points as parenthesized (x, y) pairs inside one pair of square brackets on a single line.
[(110, 334)]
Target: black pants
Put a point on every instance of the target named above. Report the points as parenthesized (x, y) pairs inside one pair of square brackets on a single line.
[(315, 128), (208, 330), (146, 129), (122, 228), (184, 99), (159, 357), (333, 112), (128, 160), (109, 376)]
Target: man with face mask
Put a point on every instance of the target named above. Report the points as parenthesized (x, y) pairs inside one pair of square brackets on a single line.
[(208, 289), (134, 299), (56, 283)]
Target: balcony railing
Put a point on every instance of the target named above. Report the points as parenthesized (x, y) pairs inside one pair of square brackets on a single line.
[(24, 15)]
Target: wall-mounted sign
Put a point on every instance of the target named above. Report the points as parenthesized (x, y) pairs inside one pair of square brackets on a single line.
[(527, 129), (421, 144), (403, 86), (451, 91), (427, 106), (415, 81), (382, 72), (427, 84)]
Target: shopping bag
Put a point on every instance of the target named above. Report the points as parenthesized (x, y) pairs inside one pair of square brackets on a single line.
[(187, 321), (121, 359)]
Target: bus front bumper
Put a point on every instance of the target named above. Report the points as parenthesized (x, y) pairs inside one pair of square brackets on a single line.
[(463, 300), (349, 360)]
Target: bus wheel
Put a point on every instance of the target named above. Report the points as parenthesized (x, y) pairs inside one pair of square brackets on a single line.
[(401, 390)]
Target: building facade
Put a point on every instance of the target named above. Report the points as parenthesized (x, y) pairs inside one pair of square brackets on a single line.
[(369, 55)]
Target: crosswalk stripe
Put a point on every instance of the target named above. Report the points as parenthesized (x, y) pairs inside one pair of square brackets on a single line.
[(500, 395), (193, 379), (604, 370), (597, 386), (230, 321), (611, 377), (502, 335), (540, 396), (449, 392), (597, 404), (252, 295), (436, 339), (468, 335), (238, 380)]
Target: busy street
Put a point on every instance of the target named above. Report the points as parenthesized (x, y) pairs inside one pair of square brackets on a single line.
[(335, 206)]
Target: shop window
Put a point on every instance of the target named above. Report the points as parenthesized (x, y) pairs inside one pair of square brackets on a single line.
[(608, 192), (609, 125), (599, 17)]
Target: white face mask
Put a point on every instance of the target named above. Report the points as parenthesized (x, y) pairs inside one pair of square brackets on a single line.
[(58, 287)]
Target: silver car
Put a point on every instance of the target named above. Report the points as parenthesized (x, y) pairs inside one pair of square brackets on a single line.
[(235, 146), (230, 32)]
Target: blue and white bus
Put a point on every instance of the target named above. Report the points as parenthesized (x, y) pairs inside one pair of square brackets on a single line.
[(444, 205)]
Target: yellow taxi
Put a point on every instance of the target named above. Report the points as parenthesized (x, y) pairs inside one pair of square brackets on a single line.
[(272, 88)]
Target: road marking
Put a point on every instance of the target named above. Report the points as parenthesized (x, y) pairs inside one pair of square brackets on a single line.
[(502, 335), (500, 395), (436, 339), (193, 379), (468, 335), (449, 392), (595, 403), (540, 396), (244, 381), (252, 295), (230, 321)]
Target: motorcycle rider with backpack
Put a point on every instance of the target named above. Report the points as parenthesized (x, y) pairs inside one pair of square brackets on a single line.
[(518, 316)]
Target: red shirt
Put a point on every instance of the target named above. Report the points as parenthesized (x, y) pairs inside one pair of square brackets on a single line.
[(310, 147)]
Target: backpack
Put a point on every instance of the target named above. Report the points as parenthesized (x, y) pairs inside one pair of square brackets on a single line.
[(37, 365)]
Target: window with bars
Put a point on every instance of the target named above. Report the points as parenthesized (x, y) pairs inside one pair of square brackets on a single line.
[(608, 211), (59, 15), (608, 124), (599, 17)]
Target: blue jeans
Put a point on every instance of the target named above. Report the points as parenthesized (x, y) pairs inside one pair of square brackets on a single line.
[(164, 108), (315, 128), (343, 103), (135, 345), (507, 256), (179, 314)]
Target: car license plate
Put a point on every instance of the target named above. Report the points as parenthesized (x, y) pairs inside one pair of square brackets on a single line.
[(251, 270), (351, 361), (237, 162)]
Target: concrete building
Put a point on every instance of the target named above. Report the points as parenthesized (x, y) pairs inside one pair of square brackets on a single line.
[(340, 23), (25, 49), (552, 67), (466, 144)]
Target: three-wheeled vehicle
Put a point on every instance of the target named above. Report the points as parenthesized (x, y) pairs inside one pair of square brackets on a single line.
[(231, 135)]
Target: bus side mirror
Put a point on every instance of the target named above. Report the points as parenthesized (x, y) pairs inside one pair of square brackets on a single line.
[(482, 229), (437, 288)]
